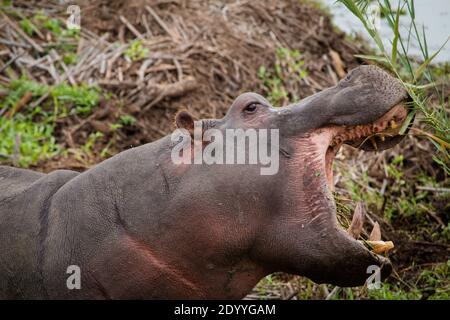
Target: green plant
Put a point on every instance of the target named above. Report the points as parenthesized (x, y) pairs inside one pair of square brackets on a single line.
[(27, 26), (415, 77), (80, 98), (18, 88), (127, 120), (289, 66), (26, 141), (53, 25), (136, 51), (27, 135), (70, 58), (89, 145)]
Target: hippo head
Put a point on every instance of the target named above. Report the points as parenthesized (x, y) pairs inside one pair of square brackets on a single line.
[(287, 221)]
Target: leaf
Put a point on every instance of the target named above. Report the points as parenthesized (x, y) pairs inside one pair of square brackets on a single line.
[(425, 41), (352, 7), (407, 122), (412, 11), (422, 87), (396, 36), (444, 144), (372, 57)]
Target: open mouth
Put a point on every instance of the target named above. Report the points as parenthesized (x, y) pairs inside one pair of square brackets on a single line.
[(379, 135)]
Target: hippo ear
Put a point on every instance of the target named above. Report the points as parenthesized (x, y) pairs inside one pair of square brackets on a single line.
[(184, 120)]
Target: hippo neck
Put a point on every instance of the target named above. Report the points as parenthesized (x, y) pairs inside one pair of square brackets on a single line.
[(131, 234)]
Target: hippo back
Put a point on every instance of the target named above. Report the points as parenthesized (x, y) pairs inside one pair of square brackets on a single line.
[(24, 198)]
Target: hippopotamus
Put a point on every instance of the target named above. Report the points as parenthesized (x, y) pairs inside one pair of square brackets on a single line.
[(139, 226)]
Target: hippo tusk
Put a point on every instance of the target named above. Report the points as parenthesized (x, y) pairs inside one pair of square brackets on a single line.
[(375, 235), (378, 246), (381, 246), (393, 124), (357, 221)]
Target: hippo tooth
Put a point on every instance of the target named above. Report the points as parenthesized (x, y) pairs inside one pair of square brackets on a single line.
[(375, 235), (381, 246), (382, 137), (357, 221), (393, 124)]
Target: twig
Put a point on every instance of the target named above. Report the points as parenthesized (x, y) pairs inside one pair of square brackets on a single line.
[(433, 215), (130, 26), (426, 188), (292, 295), (15, 43), (12, 60), (118, 84), (179, 69), (67, 73), (20, 104), (171, 90), (22, 33), (143, 69), (161, 23)]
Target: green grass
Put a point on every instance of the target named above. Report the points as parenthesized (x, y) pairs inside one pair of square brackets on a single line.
[(27, 136)]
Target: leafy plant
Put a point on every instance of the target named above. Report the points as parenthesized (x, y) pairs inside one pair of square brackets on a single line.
[(127, 120), (136, 51), (27, 135), (81, 98), (26, 142), (18, 88), (70, 58), (27, 26)]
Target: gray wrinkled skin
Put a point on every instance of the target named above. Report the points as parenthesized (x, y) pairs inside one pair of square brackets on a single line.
[(139, 226)]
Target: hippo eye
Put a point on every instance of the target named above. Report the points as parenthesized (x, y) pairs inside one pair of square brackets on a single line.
[(251, 107)]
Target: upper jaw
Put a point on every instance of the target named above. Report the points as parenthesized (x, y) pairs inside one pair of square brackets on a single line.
[(382, 134), (379, 135)]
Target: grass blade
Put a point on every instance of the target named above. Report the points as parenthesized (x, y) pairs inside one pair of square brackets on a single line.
[(396, 36), (372, 58)]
